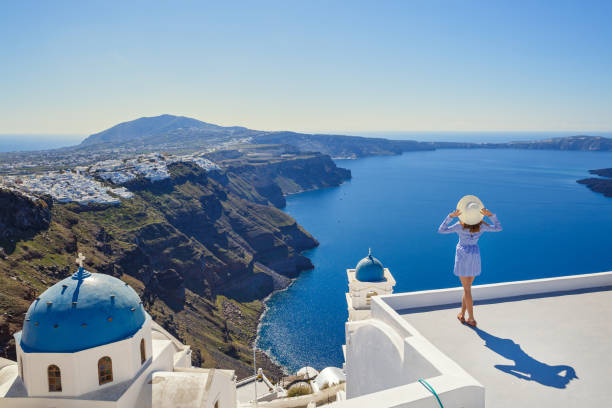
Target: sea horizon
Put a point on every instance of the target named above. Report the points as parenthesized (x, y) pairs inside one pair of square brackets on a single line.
[(22, 142), (15, 142)]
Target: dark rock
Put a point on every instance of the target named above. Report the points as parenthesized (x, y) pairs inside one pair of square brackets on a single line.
[(602, 172), (603, 186), (21, 217), (171, 288)]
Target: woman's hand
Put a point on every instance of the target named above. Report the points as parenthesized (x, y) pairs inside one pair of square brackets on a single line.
[(486, 212), (454, 214)]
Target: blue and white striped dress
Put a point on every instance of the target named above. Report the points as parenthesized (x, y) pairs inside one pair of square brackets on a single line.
[(467, 256)]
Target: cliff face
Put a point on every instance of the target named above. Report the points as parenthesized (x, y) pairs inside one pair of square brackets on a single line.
[(21, 216), (585, 143), (342, 146), (200, 255), (275, 180)]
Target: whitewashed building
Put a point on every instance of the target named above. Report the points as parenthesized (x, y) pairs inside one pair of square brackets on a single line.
[(368, 279), (88, 342)]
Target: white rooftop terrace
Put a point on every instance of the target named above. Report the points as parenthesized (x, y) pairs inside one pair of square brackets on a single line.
[(545, 342)]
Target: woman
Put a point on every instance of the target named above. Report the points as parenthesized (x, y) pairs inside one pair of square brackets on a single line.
[(467, 256)]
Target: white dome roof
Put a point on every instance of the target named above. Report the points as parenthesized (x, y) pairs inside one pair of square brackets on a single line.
[(308, 372), (330, 376)]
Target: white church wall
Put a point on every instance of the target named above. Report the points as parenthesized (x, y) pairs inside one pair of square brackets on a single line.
[(34, 369), (79, 371), (183, 358), (359, 291), (125, 363), (139, 394)]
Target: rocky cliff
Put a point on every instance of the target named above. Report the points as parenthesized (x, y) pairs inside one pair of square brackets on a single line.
[(583, 142), (199, 252), (276, 179), (342, 146), (599, 185)]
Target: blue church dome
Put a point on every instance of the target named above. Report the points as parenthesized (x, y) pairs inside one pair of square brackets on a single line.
[(370, 269), (80, 312)]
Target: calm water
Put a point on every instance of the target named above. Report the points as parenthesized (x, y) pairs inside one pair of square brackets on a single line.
[(552, 226), (18, 143)]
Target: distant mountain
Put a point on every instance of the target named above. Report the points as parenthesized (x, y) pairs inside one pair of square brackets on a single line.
[(162, 130), (169, 132)]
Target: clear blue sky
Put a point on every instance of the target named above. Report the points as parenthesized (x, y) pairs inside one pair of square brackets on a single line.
[(82, 66)]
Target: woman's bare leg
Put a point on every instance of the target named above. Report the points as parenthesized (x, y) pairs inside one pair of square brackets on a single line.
[(467, 302), (461, 315)]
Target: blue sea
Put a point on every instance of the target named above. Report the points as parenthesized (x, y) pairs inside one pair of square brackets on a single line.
[(29, 142), (552, 227)]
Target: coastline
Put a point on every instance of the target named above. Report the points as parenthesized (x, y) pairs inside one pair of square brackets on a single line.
[(266, 307), (265, 300)]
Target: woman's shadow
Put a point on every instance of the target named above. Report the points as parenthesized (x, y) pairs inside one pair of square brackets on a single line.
[(526, 367)]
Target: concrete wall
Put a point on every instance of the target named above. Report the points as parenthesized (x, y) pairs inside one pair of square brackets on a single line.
[(452, 395), (222, 390), (439, 297), (378, 358), (319, 397), (385, 358), (369, 355), (374, 358), (194, 388), (37, 402)]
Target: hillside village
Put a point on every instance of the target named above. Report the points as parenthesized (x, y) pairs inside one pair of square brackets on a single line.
[(101, 182)]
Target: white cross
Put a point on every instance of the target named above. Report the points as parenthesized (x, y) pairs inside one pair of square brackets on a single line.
[(80, 259)]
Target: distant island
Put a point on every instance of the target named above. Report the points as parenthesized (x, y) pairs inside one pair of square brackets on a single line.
[(183, 135), (600, 185)]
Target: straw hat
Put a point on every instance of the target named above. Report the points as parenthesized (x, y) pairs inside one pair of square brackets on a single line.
[(470, 207)]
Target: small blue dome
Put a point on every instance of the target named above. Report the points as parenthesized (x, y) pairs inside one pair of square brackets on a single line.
[(80, 312), (370, 269)]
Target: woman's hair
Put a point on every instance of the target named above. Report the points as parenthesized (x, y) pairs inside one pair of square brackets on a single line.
[(473, 228)]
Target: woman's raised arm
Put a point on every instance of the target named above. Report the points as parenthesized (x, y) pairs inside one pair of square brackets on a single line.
[(496, 227), (445, 228)]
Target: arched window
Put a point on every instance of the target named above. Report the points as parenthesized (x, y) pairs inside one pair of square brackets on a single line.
[(105, 370), (143, 353), (55, 378), (369, 296)]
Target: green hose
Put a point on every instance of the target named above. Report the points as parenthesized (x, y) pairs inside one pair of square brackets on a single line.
[(430, 389)]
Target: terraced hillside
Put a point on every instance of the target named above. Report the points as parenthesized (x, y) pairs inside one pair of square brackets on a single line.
[(201, 249)]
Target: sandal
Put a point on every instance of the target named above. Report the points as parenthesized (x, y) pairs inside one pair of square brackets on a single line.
[(471, 322), (461, 319)]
